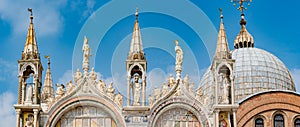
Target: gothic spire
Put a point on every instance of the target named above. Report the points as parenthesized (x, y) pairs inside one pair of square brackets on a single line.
[(136, 46), (222, 50), (48, 90), (30, 44)]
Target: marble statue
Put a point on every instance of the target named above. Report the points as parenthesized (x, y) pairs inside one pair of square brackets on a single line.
[(101, 86), (137, 90), (165, 89), (186, 81), (157, 93), (150, 100), (29, 94), (199, 94), (59, 91), (171, 81), (93, 74), (86, 50), (110, 91), (119, 99), (191, 87), (226, 86), (70, 87), (77, 76), (179, 55)]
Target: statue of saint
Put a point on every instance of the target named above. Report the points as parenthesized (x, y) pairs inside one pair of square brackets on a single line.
[(70, 87), (150, 100), (179, 55), (136, 90), (110, 91), (171, 81), (186, 81), (60, 91), (191, 87), (86, 50), (77, 76), (226, 86), (165, 89), (157, 93), (93, 75), (29, 93), (199, 93), (101, 86), (119, 99)]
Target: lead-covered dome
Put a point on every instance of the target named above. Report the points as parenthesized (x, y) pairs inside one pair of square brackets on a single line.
[(254, 70)]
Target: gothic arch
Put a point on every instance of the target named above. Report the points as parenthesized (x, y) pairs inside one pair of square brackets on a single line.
[(136, 64), (59, 109), (179, 102), (226, 65), (24, 68)]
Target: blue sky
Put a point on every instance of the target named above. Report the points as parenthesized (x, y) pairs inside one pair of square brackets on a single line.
[(61, 24)]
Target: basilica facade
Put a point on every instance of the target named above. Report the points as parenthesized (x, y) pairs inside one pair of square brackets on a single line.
[(243, 87)]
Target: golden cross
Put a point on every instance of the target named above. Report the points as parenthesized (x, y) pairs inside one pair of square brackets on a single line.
[(241, 4)]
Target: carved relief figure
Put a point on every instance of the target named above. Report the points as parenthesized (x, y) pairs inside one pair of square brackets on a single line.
[(60, 91), (29, 93), (119, 99), (136, 90), (110, 91)]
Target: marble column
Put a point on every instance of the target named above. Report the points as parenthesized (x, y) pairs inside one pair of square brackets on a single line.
[(23, 92), (144, 92), (35, 112), (234, 118), (217, 117), (232, 90), (128, 90), (18, 112)]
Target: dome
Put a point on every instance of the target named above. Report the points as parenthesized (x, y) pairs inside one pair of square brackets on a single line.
[(255, 70)]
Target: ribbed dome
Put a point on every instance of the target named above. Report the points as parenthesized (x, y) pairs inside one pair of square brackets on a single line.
[(255, 70)]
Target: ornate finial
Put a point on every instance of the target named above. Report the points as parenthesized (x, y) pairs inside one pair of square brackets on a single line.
[(241, 4), (31, 16)]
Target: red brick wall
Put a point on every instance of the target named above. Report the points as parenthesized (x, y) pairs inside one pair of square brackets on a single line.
[(266, 105)]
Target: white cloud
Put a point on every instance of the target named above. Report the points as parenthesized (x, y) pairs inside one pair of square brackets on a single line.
[(48, 18), (8, 71), (296, 77), (7, 114), (67, 76)]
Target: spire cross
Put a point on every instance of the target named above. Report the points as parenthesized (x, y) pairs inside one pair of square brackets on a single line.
[(221, 13), (136, 12), (241, 4), (48, 57)]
